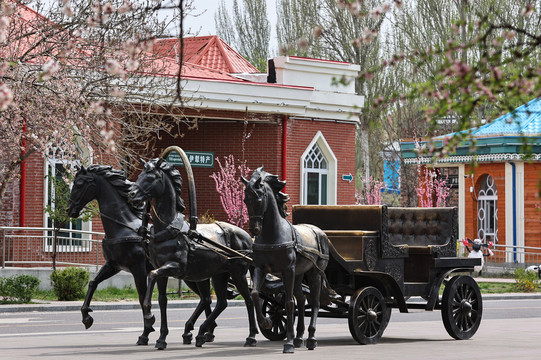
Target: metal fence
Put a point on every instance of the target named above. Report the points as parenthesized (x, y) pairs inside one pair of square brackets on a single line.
[(33, 247), (505, 254)]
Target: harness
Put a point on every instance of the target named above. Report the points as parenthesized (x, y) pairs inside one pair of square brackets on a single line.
[(299, 248)]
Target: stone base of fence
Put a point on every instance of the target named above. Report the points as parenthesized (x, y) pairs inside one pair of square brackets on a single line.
[(120, 280)]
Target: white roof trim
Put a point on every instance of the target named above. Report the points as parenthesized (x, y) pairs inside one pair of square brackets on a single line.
[(252, 97)]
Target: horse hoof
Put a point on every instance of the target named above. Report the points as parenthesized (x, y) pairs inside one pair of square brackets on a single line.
[(187, 338), (250, 342), (200, 340), (297, 342), (88, 321), (266, 323), (160, 344), (311, 344), (143, 340), (209, 337), (289, 349)]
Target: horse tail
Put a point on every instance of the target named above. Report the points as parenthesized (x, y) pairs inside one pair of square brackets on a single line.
[(327, 294)]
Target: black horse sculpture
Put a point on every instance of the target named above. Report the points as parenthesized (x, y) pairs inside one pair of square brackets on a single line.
[(173, 252), (123, 247), (294, 252)]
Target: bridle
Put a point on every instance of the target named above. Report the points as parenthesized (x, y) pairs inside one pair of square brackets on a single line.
[(262, 208), (146, 192), (91, 183)]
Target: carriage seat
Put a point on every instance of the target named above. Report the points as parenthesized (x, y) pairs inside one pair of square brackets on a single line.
[(430, 231)]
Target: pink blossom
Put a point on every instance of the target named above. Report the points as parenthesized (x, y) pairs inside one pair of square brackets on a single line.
[(527, 10), (231, 189), (67, 10), (125, 8), (49, 68), (6, 97), (4, 25), (113, 67)]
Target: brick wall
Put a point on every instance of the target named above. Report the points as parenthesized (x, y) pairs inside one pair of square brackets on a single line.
[(532, 202), (263, 147)]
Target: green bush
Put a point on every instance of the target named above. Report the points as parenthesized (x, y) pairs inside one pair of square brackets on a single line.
[(70, 283), (18, 288), (526, 281)]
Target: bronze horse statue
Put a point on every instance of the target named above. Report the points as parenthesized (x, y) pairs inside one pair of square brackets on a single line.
[(122, 245), (174, 249), (296, 253)]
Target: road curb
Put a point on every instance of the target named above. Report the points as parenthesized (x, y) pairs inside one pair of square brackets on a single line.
[(180, 304), (76, 306)]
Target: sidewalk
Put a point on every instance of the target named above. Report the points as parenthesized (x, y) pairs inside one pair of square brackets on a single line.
[(41, 305)]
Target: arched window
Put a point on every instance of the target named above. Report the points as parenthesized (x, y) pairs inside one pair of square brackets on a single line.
[(318, 173), (487, 210), (57, 192)]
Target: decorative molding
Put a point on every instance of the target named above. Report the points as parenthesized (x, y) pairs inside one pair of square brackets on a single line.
[(470, 158), (370, 254)]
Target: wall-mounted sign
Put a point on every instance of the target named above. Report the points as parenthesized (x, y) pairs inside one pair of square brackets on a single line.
[(347, 177), (196, 158)]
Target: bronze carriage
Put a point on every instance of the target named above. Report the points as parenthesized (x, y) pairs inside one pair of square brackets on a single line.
[(389, 257)]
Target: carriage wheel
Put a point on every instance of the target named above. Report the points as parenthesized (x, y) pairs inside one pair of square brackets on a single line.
[(462, 307), (368, 315), (273, 306)]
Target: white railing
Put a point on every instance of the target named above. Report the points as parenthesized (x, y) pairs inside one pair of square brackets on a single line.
[(526, 255), (32, 246)]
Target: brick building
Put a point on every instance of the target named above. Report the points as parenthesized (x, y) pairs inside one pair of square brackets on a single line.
[(292, 120), (498, 200)]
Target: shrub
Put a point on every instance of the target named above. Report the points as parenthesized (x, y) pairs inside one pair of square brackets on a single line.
[(69, 284), (526, 281), (18, 288)]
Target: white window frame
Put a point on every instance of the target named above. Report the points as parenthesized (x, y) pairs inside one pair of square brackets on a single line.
[(72, 244), (488, 195), (331, 170)]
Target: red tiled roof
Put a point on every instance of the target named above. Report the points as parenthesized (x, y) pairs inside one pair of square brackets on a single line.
[(208, 51)]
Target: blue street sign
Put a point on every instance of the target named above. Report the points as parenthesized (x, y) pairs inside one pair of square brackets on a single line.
[(348, 177)]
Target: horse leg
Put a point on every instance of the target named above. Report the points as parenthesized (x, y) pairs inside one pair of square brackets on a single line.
[(140, 277), (258, 279), (299, 296), (161, 344), (204, 304), (148, 317), (105, 272), (288, 277), (315, 280), (238, 277), (220, 287)]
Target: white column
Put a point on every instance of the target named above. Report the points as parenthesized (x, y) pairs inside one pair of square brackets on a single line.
[(462, 190)]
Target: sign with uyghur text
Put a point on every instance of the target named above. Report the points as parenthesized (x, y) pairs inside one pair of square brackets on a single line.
[(196, 158)]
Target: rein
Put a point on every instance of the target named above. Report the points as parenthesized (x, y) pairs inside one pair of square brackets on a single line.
[(110, 218)]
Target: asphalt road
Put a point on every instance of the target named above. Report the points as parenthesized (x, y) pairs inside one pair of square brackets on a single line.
[(510, 329)]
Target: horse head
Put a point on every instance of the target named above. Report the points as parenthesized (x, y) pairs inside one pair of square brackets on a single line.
[(83, 191), (262, 190), (153, 181), (256, 201)]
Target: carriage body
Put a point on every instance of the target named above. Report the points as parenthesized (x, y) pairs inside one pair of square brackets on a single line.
[(391, 254)]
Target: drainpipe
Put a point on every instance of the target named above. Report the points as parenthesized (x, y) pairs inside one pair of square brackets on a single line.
[(22, 195), (284, 149), (514, 179)]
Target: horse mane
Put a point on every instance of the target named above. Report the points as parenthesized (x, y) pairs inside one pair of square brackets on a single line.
[(176, 179), (276, 186), (118, 180)]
